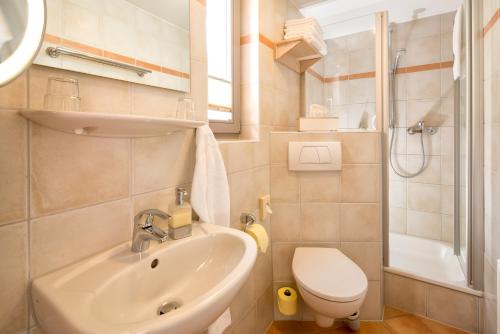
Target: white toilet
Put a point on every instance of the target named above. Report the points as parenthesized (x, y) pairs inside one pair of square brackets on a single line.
[(330, 283)]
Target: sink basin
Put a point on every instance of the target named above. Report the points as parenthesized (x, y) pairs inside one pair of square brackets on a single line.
[(180, 286)]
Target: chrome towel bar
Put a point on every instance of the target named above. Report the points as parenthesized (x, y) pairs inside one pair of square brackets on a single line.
[(55, 52)]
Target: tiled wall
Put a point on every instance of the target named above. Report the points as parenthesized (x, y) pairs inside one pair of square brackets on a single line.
[(448, 306), (338, 209), (491, 15), (423, 205), (345, 79)]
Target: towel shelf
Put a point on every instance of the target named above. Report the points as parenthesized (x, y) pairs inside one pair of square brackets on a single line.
[(108, 125), (296, 54)]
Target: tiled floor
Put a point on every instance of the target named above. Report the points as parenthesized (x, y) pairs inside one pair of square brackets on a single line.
[(395, 322)]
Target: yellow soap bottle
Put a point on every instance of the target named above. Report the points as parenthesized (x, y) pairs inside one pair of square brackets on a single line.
[(180, 212)]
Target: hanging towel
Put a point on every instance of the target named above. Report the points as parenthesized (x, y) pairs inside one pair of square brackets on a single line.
[(457, 43), (210, 190), (221, 323)]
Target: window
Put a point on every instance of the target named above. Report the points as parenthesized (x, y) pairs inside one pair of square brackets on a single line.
[(223, 111)]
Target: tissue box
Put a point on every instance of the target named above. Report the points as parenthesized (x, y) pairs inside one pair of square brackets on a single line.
[(318, 124)]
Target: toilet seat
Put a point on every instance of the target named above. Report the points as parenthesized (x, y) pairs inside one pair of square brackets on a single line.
[(328, 274)]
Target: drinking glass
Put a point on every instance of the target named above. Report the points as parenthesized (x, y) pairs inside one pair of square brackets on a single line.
[(63, 94), (185, 108)]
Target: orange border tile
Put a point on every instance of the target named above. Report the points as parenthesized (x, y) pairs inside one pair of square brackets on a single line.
[(266, 41), (421, 68), (81, 47), (149, 66), (361, 75), (315, 74), (118, 57), (51, 39), (247, 39), (493, 20)]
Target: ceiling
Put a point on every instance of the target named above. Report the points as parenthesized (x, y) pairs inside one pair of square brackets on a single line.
[(342, 17), (174, 11)]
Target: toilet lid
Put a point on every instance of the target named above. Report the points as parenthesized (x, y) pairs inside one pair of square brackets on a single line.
[(329, 274)]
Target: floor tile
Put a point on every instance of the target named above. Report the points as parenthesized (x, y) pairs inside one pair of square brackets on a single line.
[(390, 312), (407, 324)]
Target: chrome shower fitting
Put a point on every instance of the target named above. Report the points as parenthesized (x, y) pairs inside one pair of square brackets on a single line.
[(421, 128)]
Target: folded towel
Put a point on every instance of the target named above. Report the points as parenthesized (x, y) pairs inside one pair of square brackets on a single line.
[(210, 190), (304, 21), (457, 43), (303, 32), (303, 29), (221, 323), (5, 33)]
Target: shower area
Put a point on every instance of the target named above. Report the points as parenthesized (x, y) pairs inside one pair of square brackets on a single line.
[(429, 153)]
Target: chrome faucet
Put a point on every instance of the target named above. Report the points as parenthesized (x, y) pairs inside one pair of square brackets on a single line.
[(147, 231)]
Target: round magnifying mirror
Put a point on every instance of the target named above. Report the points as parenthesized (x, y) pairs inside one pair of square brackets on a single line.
[(22, 26)]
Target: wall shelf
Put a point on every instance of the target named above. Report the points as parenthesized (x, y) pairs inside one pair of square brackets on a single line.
[(108, 125), (296, 54)]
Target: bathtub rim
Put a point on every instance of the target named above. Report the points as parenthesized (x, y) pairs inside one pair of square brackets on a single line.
[(418, 277)]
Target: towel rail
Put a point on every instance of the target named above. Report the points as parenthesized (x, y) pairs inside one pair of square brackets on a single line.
[(55, 52)]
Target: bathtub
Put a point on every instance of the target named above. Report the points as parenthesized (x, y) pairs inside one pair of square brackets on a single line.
[(426, 260)]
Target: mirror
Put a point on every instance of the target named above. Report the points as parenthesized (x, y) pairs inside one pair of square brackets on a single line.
[(145, 42), (22, 24)]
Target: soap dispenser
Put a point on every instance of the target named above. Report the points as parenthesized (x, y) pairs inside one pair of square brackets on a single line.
[(181, 216)]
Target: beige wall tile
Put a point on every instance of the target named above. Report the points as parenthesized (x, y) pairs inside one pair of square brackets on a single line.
[(431, 172), (360, 148), (319, 186), (463, 314), (15, 94), (153, 101), (13, 166), (284, 184), (424, 85), (199, 88), (372, 306), (360, 183), (65, 238), (367, 255), (243, 301), (265, 305), (239, 156), (285, 222), (247, 324), (69, 171), (320, 222), (282, 261), (14, 278), (161, 162), (397, 220), (424, 224), (405, 294), (243, 194), (360, 222), (97, 94), (263, 272), (279, 146), (424, 197), (423, 50)]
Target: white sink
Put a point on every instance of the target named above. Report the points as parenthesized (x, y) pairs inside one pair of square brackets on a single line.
[(118, 291)]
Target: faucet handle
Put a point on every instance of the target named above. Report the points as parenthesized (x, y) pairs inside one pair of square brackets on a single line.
[(150, 214)]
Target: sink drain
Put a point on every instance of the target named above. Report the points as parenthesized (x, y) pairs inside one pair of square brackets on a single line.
[(168, 307)]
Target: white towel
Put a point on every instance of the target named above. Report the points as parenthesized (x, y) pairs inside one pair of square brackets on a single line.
[(5, 33), (303, 29), (221, 323), (210, 190), (304, 22), (457, 44)]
